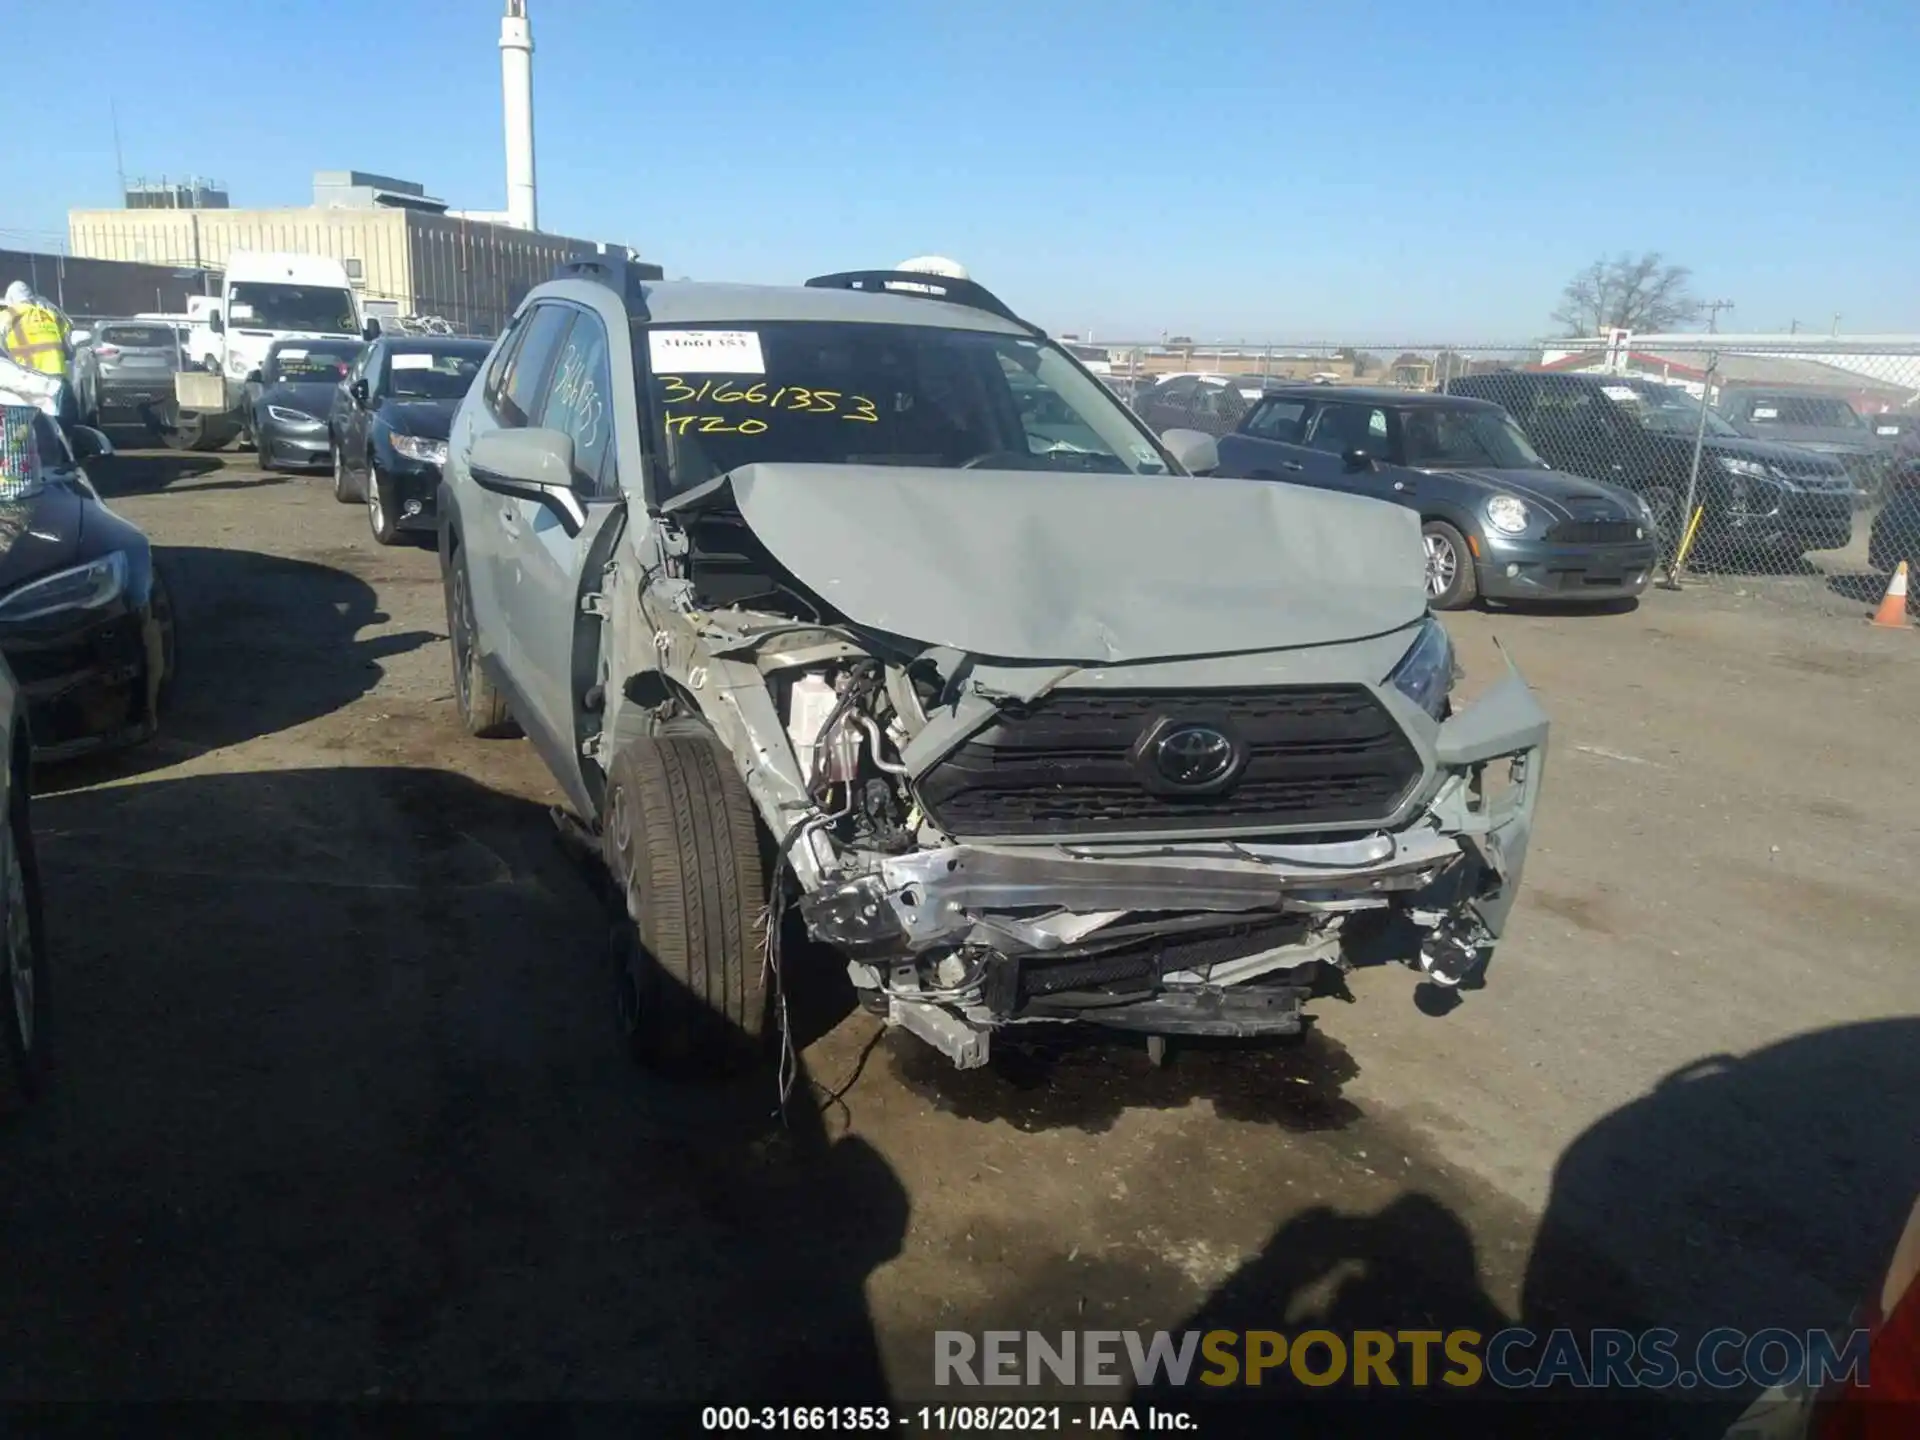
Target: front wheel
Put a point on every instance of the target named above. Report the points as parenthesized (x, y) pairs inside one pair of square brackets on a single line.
[(683, 847), (380, 507), (1451, 584), (23, 987)]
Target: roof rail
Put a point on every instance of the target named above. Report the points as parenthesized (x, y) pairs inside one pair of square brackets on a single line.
[(626, 278), (912, 283)]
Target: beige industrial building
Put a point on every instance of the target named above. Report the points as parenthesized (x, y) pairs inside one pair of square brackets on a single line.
[(402, 251)]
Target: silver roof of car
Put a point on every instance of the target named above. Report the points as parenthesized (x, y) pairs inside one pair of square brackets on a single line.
[(691, 302)]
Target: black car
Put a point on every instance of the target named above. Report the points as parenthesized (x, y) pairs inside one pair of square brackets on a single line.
[(1497, 520), (1824, 423), (1214, 404), (86, 623), (1759, 499), (291, 396), (389, 427)]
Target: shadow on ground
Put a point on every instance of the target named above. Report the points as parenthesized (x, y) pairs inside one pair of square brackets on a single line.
[(340, 1111), (265, 643), (147, 473), (1756, 1191)]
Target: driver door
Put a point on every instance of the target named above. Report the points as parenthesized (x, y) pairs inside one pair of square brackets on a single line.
[(554, 567)]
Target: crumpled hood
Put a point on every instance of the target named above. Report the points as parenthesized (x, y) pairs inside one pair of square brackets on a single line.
[(1069, 568), (429, 419), (1555, 491)]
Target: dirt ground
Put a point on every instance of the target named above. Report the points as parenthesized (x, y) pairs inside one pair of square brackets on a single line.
[(340, 1111)]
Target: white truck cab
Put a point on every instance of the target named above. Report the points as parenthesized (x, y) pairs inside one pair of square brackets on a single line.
[(266, 296)]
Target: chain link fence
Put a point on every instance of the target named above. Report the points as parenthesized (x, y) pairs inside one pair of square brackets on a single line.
[(1778, 469)]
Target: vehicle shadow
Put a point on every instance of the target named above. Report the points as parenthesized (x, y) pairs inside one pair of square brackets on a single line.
[(1082, 1078), (149, 473), (281, 644), (1866, 586), (1755, 1191), (341, 1112)]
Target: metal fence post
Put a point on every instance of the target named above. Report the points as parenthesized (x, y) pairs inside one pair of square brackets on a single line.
[(1693, 475)]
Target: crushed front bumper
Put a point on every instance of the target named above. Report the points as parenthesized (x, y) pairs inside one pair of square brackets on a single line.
[(1206, 936)]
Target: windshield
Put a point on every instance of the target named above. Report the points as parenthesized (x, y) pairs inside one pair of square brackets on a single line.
[(261, 305), (1813, 411), (1472, 438), (433, 374), (1665, 409), (829, 393), (305, 364)]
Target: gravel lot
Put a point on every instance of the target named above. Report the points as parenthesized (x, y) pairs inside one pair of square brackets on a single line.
[(340, 1111)]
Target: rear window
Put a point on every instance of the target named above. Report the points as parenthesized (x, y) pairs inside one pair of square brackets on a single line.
[(1814, 411), (151, 337)]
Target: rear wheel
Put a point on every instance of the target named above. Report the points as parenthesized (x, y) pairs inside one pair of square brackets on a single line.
[(1451, 584), (23, 986), (683, 846), (483, 709)]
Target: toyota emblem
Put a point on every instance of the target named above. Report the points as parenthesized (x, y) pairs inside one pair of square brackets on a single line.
[(1192, 756)]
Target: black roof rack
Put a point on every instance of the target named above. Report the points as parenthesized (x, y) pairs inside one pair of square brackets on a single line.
[(626, 278), (910, 283)]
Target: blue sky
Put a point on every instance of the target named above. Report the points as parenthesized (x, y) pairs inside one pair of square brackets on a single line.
[(1230, 169)]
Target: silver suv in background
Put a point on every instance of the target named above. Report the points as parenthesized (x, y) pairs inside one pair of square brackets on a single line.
[(123, 369), (865, 598)]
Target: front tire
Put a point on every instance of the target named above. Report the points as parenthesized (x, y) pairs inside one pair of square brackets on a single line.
[(24, 992), (483, 709), (1451, 583), (380, 507), (683, 847)]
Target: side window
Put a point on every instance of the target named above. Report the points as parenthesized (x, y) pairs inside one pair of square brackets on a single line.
[(1340, 428), (527, 379), (502, 366), (1277, 420), (1177, 392), (580, 402)]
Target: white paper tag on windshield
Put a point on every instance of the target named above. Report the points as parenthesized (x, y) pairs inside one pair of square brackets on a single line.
[(1619, 392), (1886, 429), (705, 352), (1765, 412), (294, 354), (419, 360)]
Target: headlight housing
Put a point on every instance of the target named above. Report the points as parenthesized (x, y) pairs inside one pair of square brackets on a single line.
[(291, 417), (418, 447), (1508, 514), (1644, 509), (1738, 465), (84, 587), (1425, 673)]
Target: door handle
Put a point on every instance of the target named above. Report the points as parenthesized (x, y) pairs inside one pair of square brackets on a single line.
[(1291, 465)]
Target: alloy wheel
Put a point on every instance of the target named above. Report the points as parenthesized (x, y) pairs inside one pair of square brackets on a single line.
[(461, 638), (376, 508), (1442, 566)]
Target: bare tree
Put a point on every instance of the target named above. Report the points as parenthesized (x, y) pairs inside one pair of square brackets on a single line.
[(1644, 294)]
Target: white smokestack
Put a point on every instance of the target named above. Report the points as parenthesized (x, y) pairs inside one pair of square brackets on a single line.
[(516, 93)]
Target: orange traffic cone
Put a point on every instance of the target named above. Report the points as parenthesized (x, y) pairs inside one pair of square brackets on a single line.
[(1893, 604)]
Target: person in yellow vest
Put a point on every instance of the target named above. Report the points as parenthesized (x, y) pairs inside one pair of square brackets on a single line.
[(36, 334)]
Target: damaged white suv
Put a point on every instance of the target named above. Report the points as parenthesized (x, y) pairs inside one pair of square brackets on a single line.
[(865, 597)]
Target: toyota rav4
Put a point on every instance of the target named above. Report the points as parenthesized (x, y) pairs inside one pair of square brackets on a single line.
[(864, 599)]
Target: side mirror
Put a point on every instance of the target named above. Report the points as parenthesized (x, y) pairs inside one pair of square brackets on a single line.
[(1357, 460), (215, 323), (370, 331), (532, 465), (254, 377), (358, 390), (1194, 451), (89, 443)]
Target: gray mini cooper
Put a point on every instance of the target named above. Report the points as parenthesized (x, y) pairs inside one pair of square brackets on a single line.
[(1496, 520)]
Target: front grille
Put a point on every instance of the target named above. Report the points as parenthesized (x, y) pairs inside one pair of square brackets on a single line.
[(1069, 764), (1596, 532)]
